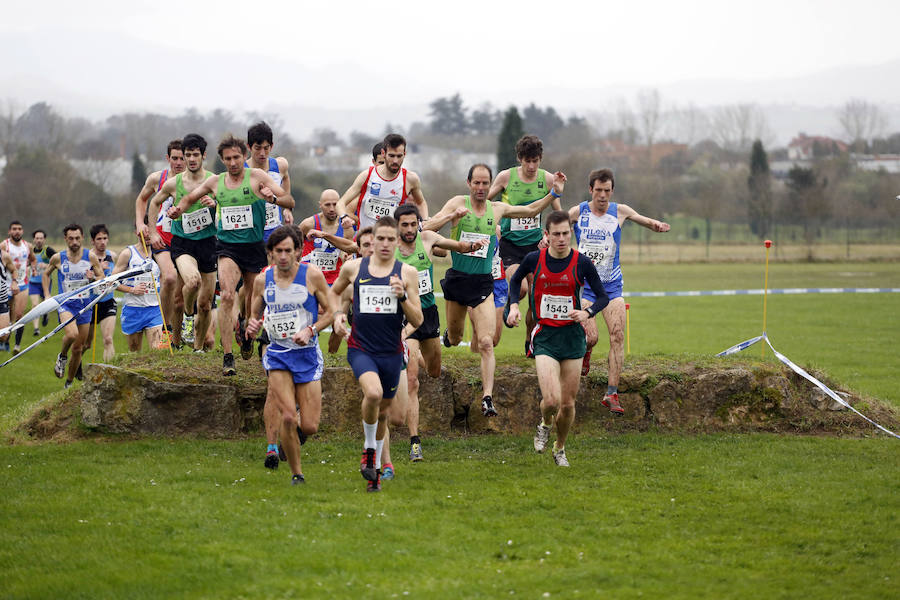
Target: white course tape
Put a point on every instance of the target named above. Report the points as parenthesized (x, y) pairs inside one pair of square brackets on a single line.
[(799, 371)]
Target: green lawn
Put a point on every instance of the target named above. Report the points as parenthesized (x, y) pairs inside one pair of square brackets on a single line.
[(637, 515)]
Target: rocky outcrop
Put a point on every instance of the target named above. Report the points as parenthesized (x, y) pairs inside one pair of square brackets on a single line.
[(670, 397)]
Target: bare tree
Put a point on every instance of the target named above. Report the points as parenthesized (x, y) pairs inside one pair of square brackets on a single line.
[(861, 121), (649, 107), (9, 126), (688, 124), (735, 127)]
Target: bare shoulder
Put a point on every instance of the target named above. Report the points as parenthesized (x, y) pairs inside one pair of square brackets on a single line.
[(282, 164)]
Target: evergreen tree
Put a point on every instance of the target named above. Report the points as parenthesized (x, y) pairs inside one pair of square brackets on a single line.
[(510, 132), (759, 208), (138, 173), (448, 116)]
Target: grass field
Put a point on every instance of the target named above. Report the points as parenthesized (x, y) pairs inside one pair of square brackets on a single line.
[(636, 515)]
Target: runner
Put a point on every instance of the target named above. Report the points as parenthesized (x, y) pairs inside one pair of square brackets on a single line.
[(35, 291), (23, 259), (260, 142), (558, 341), (469, 283), (193, 240), (598, 229), (424, 341), (384, 291), (380, 189), (170, 294), (105, 310), (501, 294), (8, 289), (522, 185), (290, 293), (241, 194), (77, 268), (140, 307)]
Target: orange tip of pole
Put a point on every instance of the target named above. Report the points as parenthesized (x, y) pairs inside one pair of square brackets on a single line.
[(627, 306), (768, 243)]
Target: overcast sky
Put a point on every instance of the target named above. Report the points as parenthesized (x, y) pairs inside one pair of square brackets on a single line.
[(353, 55)]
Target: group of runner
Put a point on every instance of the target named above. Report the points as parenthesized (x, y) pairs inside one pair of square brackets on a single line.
[(363, 267)]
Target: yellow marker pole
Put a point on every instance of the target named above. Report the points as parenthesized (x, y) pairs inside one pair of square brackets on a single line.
[(94, 339), (627, 328), (762, 347), (158, 301)]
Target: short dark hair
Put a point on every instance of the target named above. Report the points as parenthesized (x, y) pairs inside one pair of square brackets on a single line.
[(99, 228), (556, 216), (386, 221), (259, 133), (229, 141), (37, 231), (601, 175), (407, 209), (15, 222), (377, 149), (393, 140), (281, 233), (194, 140), (364, 231), (529, 146), (482, 166), (72, 227), (173, 145)]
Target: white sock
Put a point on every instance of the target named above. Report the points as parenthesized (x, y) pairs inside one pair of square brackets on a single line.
[(369, 431), (379, 446)]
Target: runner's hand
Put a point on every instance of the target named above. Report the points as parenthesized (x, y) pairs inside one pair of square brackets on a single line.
[(347, 222), (267, 194), (156, 240), (460, 212), (302, 337), (397, 286), (315, 233), (340, 325), (559, 182), (288, 216), (253, 327), (207, 202), (512, 320), (579, 316)]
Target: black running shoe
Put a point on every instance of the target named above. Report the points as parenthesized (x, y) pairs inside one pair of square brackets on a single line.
[(79, 374), (297, 479), (301, 436), (281, 455), (271, 460), (246, 343), (446, 339), (374, 485), (367, 465), (487, 407), (228, 365), (44, 321)]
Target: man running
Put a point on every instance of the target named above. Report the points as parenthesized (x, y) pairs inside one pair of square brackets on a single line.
[(598, 229), (260, 142), (380, 189), (558, 340), (385, 291), (241, 194), (469, 283), (522, 185), (289, 295), (42, 253), (170, 293), (23, 258), (76, 267), (193, 241), (140, 304), (423, 341), (105, 310), (8, 289)]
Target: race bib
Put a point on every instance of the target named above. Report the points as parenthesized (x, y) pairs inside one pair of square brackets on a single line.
[(525, 223), (196, 221), (166, 224), (146, 279), (237, 217), (74, 284), (556, 307), (496, 267), (326, 261), (468, 236), (598, 252), (377, 299), (273, 216), (379, 207), (425, 286), (21, 273), (283, 325)]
